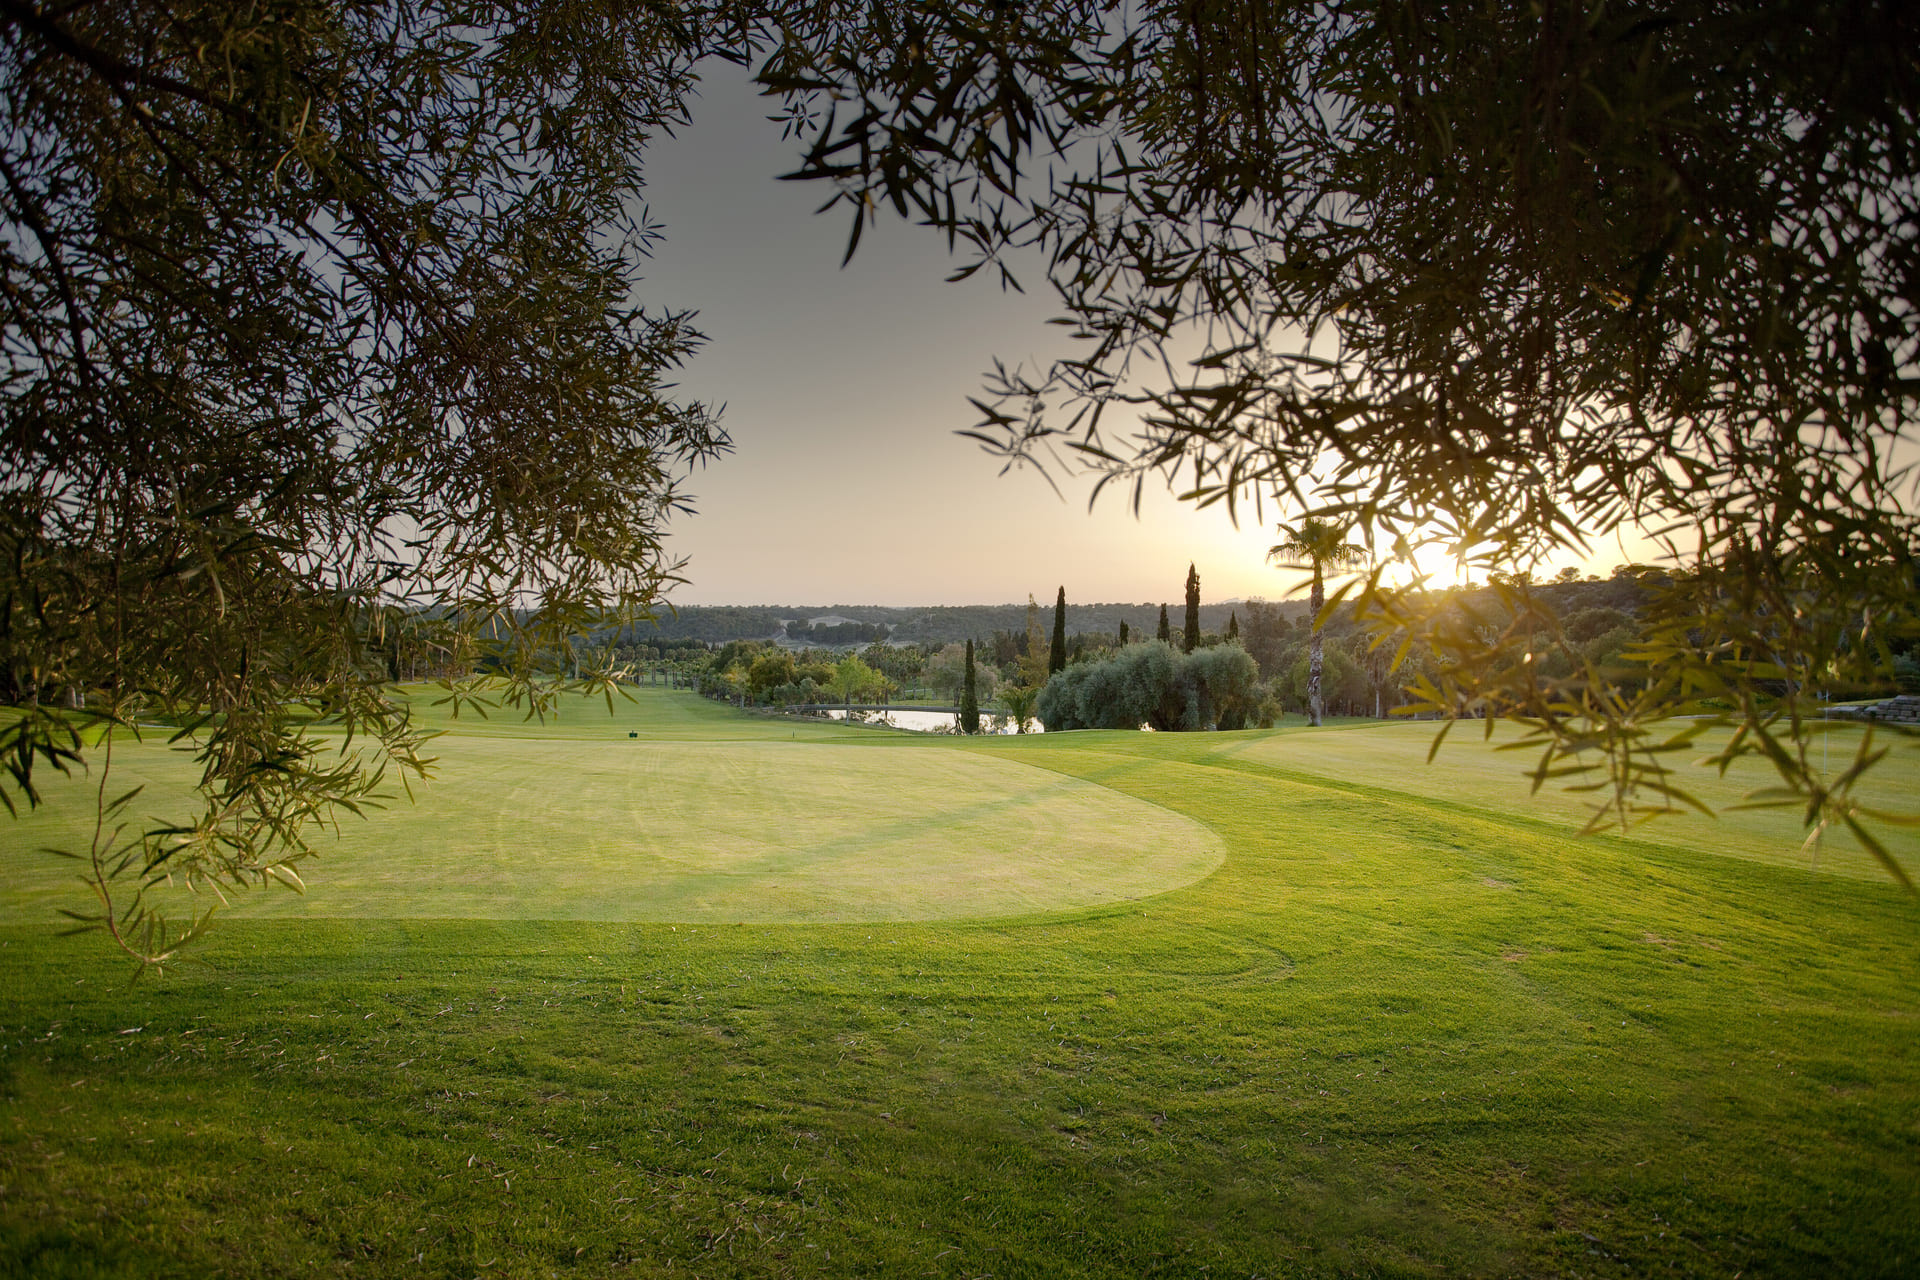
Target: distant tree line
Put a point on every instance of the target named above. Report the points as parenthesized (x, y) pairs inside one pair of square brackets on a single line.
[(708, 622), (1103, 676), (943, 624), (836, 633)]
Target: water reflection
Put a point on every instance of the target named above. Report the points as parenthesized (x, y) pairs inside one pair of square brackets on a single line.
[(931, 721)]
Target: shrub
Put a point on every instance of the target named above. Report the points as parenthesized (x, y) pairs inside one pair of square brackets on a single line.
[(1155, 685), (1221, 680)]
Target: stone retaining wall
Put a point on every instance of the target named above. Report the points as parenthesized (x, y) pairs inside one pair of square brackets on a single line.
[(1904, 709)]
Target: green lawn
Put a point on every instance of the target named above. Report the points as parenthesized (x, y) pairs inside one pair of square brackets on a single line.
[(1406, 1026), (748, 822), (1393, 757)]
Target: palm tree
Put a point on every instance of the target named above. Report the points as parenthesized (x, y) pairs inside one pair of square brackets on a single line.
[(1318, 545), (1019, 700)]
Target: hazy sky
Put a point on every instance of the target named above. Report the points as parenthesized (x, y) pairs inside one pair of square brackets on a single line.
[(843, 389)]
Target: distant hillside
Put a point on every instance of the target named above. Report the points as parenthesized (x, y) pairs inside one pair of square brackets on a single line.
[(932, 624)]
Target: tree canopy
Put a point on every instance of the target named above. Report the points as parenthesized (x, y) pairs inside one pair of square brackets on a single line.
[(1154, 684), (318, 327), (1501, 278)]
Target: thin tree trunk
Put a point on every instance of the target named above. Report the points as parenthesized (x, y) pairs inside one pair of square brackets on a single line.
[(1314, 604)]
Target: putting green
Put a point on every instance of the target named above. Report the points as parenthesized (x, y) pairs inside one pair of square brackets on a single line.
[(718, 832)]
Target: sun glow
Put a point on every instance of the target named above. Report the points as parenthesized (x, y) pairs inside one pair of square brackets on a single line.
[(1432, 561)]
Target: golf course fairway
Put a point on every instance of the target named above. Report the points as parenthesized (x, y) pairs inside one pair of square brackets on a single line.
[(740, 996)]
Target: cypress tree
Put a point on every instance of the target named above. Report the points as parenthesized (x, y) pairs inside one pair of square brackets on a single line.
[(1166, 632), (1191, 639), (1123, 633), (1233, 626), (1057, 656), (1033, 663), (969, 699)]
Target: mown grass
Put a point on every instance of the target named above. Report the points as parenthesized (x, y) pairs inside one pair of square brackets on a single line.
[(576, 821), (1394, 1033), (1484, 772)]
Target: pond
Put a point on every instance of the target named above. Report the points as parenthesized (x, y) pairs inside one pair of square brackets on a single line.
[(930, 721)]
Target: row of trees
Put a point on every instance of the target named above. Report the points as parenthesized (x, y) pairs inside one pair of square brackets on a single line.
[(938, 625), (762, 673), (1202, 681), (1359, 675), (835, 633), (752, 671), (1331, 663), (1115, 683)]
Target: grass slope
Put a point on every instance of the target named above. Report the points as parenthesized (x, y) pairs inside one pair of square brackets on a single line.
[(1479, 775), (1394, 1033)]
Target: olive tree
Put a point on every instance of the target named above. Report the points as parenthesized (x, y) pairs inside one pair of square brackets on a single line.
[(316, 325), (1155, 685), (1505, 278), (1220, 681)]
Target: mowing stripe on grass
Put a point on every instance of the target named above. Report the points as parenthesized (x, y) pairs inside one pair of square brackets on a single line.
[(616, 829)]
